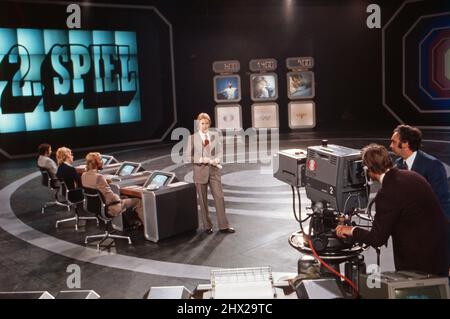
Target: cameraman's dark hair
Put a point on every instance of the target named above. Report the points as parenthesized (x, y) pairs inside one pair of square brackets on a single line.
[(410, 134), (43, 148), (376, 158)]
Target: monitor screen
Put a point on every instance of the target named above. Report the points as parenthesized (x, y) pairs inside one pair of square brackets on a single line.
[(126, 170), (424, 292), (159, 178), (227, 88), (106, 159), (97, 72), (300, 85), (264, 87)]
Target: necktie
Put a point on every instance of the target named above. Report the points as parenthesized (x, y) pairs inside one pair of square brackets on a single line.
[(403, 165), (206, 142)]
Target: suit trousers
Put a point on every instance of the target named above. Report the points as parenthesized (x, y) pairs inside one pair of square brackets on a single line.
[(134, 203), (219, 202)]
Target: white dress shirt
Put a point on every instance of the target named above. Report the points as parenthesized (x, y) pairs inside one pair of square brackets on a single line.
[(205, 136), (410, 160)]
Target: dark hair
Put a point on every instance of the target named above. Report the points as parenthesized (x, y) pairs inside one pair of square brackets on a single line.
[(43, 148), (410, 134), (376, 158)]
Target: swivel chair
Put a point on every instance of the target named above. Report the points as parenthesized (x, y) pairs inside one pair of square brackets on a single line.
[(74, 197), (53, 184), (95, 204)]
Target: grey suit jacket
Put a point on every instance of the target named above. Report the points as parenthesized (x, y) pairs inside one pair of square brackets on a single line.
[(93, 179), (48, 163), (196, 151)]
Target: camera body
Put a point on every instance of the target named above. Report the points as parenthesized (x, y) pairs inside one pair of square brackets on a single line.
[(335, 182), (335, 175)]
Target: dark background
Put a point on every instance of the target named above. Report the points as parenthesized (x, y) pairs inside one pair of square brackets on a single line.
[(347, 55)]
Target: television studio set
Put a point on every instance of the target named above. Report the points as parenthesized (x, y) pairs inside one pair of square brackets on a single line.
[(212, 150)]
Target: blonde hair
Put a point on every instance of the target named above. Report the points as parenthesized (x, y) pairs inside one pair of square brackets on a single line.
[(92, 160), (203, 116), (62, 153)]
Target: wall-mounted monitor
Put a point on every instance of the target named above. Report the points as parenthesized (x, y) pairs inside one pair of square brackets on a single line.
[(229, 117), (128, 168), (227, 88), (158, 179), (65, 84), (300, 85), (302, 114), (264, 87), (265, 115)]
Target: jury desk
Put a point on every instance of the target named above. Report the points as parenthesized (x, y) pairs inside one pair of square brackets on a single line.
[(168, 211)]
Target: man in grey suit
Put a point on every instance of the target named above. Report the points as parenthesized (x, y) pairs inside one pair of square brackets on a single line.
[(204, 151), (44, 160)]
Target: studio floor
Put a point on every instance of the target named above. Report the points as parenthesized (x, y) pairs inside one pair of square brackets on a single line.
[(34, 255)]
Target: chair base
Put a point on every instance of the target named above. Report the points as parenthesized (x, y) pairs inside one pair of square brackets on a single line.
[(54, 203), (104, 237), (76, 218)]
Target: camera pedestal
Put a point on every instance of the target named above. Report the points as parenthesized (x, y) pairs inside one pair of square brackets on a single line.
[(309, 267)]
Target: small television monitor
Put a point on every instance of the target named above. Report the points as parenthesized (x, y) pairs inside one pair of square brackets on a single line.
[(300, 85), (159, 179), (227, 88), (265, 115), (128, 168), (108, 159), (264, 87), (302, 114), (421, 292), (404, 285), (229, 117)]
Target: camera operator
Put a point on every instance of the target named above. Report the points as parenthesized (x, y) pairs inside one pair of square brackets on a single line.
[(408, 210)]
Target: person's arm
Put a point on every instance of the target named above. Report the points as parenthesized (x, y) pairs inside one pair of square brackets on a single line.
[(194, 150), (51, 165), (103, 186), (437, 177), (386, 216), (216, 145), (59, 173), (76, 178)]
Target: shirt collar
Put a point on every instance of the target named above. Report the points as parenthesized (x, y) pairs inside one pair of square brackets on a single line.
[(68, 164), (382, 177), (204, 135), (410, 160)]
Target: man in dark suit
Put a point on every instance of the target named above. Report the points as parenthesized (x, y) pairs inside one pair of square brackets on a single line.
[(405, 142), (409, 211), (66, 172)]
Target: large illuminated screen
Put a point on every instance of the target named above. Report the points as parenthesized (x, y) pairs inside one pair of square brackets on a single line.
[(53, 79)]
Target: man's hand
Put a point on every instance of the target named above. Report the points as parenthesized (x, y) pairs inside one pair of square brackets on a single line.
[(214, 162), (204, 160), (344, 231)]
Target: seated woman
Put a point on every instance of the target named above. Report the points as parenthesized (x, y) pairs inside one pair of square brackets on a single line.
[(66, 172), (93, 179)]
